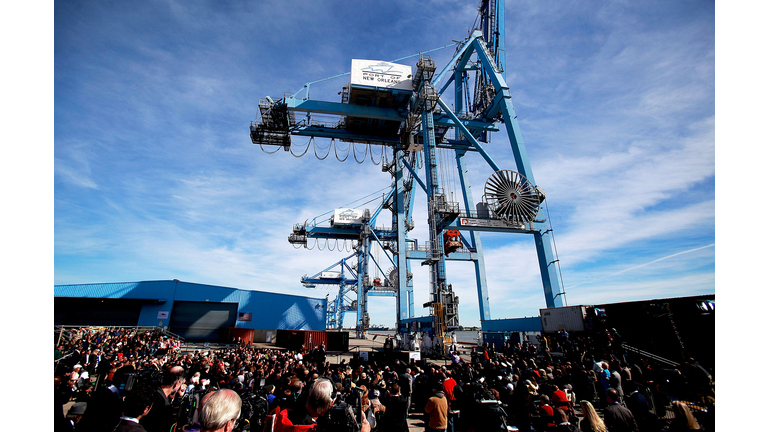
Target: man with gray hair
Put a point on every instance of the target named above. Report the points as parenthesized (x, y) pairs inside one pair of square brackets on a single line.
[(319, 401), (220, 412)]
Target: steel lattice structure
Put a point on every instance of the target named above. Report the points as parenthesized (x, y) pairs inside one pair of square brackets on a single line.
[(412, 123)]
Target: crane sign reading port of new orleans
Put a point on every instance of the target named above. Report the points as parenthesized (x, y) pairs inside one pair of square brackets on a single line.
[(385, 105)]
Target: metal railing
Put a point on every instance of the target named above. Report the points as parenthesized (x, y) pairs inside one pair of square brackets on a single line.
[(62, 328), (650, 356)]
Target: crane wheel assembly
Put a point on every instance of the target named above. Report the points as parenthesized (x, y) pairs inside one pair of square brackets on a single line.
[(511, 197)]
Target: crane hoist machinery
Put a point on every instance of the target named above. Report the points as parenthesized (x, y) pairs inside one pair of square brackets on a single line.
[(422, 119)]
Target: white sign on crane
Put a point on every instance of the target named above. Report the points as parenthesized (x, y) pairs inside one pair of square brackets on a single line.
[(376, 73), (347, 216)]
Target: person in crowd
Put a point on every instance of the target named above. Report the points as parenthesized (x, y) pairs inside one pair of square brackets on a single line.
[(546, 411), (617, 417), (614, 380), (137, 404), (162, 417), (75, 413), (591, 421), (514, 375), (395, 416), (605, 379), (437, 409), (684, 419), (448, 386), (638, 404), (369, 410), (220, 412), (560, 400), (563, 423), (405, 381), (269, 389)]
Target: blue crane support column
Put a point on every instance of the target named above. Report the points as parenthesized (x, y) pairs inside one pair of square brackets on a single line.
[(362, 275), (549, 277), (340, 300), (478, 260), (408, 215), (469, 203), (437, 253), (404, 295)]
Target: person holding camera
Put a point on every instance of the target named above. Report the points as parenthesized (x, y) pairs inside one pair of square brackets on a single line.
[(162, 416), (321, 413)]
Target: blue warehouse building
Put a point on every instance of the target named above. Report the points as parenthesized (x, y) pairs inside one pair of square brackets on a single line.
[(193, 311)]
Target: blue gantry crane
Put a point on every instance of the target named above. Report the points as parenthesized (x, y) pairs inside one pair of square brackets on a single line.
[(353, 276), (419, 117)]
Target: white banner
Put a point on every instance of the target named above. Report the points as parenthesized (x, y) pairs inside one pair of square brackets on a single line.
[(375, 73), (347, 216)]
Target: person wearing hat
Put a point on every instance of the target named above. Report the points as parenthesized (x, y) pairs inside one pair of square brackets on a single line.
[(382, 384), (76, 412)]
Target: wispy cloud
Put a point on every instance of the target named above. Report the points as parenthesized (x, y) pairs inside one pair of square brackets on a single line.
[(156, 177)]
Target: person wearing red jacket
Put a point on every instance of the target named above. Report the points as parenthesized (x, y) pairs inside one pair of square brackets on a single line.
[(448, 384), (560, 400)]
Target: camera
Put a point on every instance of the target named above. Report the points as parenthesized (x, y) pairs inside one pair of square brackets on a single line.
[(254, 411), (346, 414), (187, 407), (128, 381)]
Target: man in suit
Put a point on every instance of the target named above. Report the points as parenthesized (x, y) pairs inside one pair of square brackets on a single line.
[(163, 416), (617, 417), (137, 404), (405, 380), (395, 417)]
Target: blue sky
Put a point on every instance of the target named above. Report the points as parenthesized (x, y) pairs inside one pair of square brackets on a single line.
[(155, 176)]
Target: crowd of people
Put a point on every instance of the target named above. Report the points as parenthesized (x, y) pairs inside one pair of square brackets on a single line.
[(133, 380)]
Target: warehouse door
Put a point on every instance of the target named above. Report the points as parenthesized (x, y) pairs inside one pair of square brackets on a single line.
[(201, 321)]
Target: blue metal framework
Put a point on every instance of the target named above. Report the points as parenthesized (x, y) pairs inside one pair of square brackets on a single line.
[(418, 122)]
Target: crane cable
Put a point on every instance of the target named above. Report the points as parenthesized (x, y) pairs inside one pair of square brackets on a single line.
[(336, 148), (326, 154), (306, 149), (262, 149)]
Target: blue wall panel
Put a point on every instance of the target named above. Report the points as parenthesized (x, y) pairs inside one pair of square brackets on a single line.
[(269, 310), (528, 324)]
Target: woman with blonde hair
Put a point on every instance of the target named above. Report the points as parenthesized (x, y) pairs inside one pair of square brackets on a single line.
[(592, 421), (684, 419)]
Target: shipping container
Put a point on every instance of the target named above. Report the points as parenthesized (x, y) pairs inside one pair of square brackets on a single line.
[(298, 339), (568, 318), (232, 333), (314, 338), (338, 341)]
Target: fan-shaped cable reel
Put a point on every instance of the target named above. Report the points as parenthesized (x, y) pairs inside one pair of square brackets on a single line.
[(512, 198), (392, 275)]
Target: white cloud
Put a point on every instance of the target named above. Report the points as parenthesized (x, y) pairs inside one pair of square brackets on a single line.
[(152, 113)]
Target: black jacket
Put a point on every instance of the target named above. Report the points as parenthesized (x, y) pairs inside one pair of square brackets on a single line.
[(395, 418), (619, 419)]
